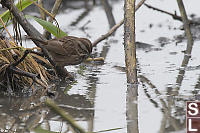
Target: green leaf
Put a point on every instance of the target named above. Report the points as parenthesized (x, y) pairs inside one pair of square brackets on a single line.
[(21, 5), (58, 33)]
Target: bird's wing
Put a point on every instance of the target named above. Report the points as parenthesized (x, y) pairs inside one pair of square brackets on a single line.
[(55, 47), (64, 46)]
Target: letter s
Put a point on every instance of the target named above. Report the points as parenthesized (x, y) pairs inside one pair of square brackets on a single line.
[(194, 107)]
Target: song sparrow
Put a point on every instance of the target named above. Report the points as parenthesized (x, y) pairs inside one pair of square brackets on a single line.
[(67, 50)]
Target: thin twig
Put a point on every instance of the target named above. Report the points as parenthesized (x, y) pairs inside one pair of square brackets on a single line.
[(174, 16), (103, 37), (42, 13), (27, 74), (7, 30), (14, 55), (44, 10), (115, 27), (21, 59)]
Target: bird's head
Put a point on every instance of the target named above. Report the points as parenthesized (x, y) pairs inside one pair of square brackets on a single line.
[(87, 45)]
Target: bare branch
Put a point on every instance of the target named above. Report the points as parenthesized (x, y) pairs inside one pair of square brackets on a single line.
[(174, 16)]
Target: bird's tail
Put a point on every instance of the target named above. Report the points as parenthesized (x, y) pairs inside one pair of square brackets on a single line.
[(37, 39)]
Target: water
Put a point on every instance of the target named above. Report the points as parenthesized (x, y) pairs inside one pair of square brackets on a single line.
[(98, 99)]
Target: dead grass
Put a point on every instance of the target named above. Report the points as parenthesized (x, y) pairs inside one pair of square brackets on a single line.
[(8, 50)]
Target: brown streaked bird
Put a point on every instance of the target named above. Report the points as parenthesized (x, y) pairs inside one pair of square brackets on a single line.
[(67, 50)]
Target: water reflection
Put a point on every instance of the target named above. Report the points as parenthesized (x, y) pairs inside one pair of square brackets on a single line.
[(173, 108), (132, 109), (21, 114), (109, 14), (78, 106)]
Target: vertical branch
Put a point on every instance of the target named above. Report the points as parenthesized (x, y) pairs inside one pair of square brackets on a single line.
[(186, 25), (129, 41), (189, 42), (54, 11), (42, 13), (131, 71)]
